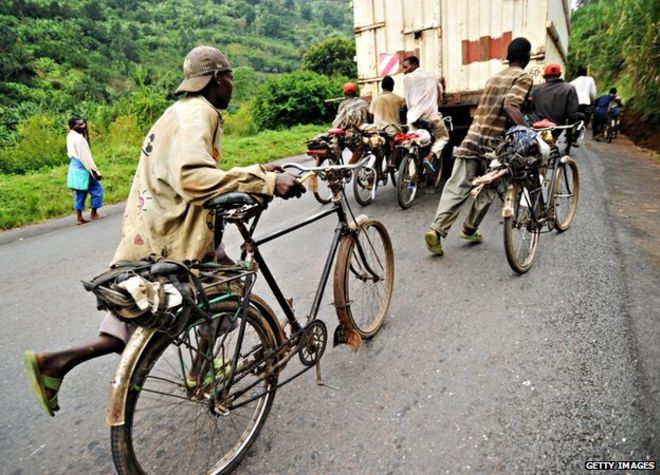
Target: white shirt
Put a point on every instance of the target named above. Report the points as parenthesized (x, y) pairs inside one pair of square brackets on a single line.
[(422, 91), (586, 89), (77, 147)]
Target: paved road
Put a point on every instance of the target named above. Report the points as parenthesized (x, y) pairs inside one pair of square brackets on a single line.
[(476, 369)]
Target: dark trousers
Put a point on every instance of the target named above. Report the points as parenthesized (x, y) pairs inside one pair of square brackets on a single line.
[(599, 124), (585, 110)]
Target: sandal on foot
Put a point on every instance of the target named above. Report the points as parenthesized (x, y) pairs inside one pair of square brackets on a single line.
[(476, 236), (433, 242), (221, 369), (40, 382)]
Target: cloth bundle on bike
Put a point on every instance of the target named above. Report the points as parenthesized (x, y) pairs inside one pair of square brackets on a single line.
[(371, 136), (150, 292), (319, 146), (141, 291)]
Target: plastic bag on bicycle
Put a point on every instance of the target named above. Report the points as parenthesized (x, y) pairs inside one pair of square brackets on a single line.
[(526, 149)]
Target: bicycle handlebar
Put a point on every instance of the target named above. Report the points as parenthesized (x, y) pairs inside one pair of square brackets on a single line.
[(329, 167), (579, 125)]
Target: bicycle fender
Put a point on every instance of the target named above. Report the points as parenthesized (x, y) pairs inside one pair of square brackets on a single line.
[(507, 208), (120, 384), (359, 221), (565, 159), (267, 313)]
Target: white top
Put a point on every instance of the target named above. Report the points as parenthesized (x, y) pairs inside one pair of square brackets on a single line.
[(422, 91), (586, 89), (77, 147)]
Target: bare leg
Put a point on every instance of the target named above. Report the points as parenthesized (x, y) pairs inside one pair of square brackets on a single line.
[(95, 215), (58, 364), (79, 217)]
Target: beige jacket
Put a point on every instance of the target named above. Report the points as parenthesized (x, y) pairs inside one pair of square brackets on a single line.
[(178, 172), (385, 109)]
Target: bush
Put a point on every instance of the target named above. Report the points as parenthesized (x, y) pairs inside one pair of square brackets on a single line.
[(41, 144), (239, 123), (333, 56), (296, 98), (125, 131)]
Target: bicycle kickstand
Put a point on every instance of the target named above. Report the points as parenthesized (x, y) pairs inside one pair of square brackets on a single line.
[(319, 379)]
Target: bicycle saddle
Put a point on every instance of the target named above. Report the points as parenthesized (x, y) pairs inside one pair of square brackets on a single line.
[(165, 268), (232, 200)]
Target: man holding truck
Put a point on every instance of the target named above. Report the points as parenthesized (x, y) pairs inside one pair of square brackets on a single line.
[(499, 107)]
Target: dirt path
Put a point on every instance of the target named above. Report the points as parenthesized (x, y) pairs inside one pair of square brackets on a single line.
[(632, 175), (632, 179)]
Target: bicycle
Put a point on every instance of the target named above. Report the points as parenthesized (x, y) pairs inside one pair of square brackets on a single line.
[(197, 380), (612, 126), (381, 160), (413, 147), (522, 181), (327, 149)]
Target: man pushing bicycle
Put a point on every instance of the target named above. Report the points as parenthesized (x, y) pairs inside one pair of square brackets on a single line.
[(177, 172)]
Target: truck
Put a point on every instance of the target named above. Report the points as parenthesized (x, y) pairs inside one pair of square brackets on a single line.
[(462, 42)]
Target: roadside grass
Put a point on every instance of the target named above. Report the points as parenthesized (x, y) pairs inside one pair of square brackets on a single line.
[(41, 195)]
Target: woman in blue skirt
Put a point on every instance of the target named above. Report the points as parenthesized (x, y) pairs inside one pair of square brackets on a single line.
[(83, 177)]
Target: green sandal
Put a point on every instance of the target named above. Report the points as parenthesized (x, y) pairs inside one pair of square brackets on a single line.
[(475, 236), (222, 369), (40, 382)]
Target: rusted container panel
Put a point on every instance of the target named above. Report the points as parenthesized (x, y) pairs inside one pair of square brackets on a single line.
[(462, 41)]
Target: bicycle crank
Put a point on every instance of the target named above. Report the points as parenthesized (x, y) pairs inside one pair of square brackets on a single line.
[(312, 343)]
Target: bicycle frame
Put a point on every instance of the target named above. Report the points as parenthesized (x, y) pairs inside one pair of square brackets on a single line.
[(252, 252)]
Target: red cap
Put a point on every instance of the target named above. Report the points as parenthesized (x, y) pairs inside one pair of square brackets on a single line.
[(350, 88), (552, 69)]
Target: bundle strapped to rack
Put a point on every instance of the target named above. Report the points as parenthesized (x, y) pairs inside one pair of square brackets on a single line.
[(150, 292)]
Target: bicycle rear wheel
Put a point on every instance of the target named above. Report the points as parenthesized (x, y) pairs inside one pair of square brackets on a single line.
[(364, 277), (520, 235), (174, 423), (406, 187), (365, 179), (565, 194)]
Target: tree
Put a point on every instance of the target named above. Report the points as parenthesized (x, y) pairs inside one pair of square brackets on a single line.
[(296, 98), (331, 57)]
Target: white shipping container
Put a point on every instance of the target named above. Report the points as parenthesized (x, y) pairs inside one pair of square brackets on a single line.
[(461, 41)]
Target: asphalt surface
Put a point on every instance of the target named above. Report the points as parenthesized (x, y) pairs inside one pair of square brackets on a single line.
[(476, 370)]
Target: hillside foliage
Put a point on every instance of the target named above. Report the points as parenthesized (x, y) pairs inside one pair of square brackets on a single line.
[(105, 59), (619, 41), (116, 62)]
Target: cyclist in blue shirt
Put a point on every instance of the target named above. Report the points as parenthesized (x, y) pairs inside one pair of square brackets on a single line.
[(605, 104)]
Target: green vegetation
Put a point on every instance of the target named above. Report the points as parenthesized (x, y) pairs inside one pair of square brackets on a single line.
[(619, 41), (333, 56), (40, 195), (296, 98), (116, 62), (62, 57)]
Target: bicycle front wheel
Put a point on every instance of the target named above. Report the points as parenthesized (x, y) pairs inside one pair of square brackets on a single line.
[(322, 193), (363, 184), (181, 414), (521, 236), (406, 187), (565, 194), (364, 277)]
